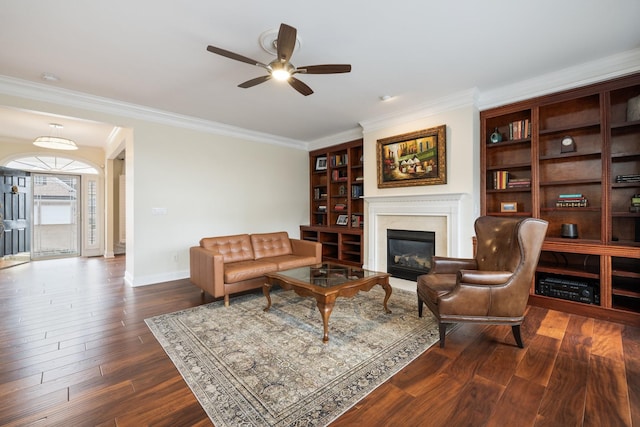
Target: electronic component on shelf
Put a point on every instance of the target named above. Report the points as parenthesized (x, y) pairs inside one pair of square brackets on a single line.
[(568, 289)]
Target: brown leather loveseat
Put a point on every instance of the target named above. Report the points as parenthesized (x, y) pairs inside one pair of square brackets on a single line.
[(226, 265)]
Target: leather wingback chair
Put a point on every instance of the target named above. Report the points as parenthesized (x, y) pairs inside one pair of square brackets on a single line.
[(493, 287)]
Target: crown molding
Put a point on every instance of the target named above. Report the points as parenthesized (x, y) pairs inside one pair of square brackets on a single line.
[(338, 138), (607, 68), (44, 93), (437, 106)]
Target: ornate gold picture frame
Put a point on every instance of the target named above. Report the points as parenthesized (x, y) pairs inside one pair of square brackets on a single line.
[(416, 158)]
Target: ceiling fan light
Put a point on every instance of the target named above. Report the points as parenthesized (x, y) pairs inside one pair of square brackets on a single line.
[(280, 74), (55, 142)]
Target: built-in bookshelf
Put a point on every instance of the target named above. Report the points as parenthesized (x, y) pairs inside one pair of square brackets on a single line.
[(573, 159), (336, 202)]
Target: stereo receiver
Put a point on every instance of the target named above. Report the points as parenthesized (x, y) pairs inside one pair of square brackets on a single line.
[(568, 289)]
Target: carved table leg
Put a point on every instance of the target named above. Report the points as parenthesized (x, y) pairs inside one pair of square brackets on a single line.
[(266, 289), (326, 307), (387, 295)]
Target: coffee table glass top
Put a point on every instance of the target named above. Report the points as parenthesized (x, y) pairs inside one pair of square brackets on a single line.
[(327, 275)]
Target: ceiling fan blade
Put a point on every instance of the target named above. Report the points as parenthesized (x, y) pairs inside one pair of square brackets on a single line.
[(300, 86), (286, 42), (236, 56), (253, 82), (325, 69)]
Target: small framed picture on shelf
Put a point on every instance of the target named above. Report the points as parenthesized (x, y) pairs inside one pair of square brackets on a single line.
[(508, 207), (355, 221), (321, 164), (342, 220)]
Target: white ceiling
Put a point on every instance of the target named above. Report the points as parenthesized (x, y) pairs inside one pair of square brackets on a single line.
[(152, 53)]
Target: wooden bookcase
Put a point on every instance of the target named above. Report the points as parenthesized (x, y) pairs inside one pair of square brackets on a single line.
[(528, 173), (337, 206)]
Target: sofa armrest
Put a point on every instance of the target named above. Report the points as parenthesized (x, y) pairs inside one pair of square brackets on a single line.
[(307, 248), (207, 270)]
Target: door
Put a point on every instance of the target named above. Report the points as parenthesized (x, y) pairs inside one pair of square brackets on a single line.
[(15, 211), (56, 216)]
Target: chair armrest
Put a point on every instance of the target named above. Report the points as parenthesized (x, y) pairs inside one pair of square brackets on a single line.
[(307, 248), (444, 265), (476, 277), (207, 270)]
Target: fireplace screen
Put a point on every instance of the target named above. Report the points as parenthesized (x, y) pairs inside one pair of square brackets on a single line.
[(409, 253)]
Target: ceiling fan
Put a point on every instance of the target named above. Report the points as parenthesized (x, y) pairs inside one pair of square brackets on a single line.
[(280, 68)]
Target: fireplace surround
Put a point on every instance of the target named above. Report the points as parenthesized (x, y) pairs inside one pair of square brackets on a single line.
[(440, 213)]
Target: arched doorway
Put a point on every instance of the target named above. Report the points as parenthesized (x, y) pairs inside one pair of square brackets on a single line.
[(66, 200)]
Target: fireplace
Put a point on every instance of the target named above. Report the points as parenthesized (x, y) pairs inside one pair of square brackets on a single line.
[(409, 253)]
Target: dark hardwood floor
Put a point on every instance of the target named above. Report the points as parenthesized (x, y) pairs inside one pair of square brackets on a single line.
[(75, 351)]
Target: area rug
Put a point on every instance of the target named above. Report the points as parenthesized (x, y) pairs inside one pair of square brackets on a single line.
[(254, 368)]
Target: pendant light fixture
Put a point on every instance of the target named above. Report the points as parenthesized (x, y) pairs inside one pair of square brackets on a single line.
[(54, 141)]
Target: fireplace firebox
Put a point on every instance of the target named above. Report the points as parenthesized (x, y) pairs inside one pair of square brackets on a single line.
[(409, 253)]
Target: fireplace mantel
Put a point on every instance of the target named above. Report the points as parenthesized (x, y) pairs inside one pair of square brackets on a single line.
[(444, 209)]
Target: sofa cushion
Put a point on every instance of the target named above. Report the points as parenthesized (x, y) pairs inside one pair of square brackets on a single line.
[(232, 248), (271, 244), (287, 262), (245, 270)]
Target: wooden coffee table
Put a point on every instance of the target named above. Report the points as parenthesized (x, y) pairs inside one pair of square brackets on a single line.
[(326, 282)]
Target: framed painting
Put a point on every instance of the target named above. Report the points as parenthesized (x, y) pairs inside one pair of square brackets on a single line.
[(416, 158)]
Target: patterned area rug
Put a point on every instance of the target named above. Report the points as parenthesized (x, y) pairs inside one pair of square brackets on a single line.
[(252, 368)]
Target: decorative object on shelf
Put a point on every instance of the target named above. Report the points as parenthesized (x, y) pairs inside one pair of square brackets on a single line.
[(496, 136), (569, 231), (633, 109), (567, 145), (14, 189), (321, 164), (635, 203), (508, 207), (416, 158), (342, 220)]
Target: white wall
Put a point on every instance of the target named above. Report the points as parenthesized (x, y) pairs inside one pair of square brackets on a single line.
[(462, 156), (209, 184)]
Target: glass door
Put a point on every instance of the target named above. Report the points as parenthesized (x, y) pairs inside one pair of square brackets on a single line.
[(56, 216)]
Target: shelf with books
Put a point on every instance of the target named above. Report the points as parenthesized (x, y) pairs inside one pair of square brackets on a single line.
[(336, 200), (583, 187)]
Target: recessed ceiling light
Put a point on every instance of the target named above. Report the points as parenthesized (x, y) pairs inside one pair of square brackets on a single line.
[(49, 77)]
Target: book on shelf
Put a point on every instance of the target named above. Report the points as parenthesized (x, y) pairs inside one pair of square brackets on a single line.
[(356, 191), (340, 207), (338, 175), (571, 201), (570, 196), (500, 179), (503, 180), (519, 129), (628, 178), (519, 183), (339, 159), (322, 207)]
